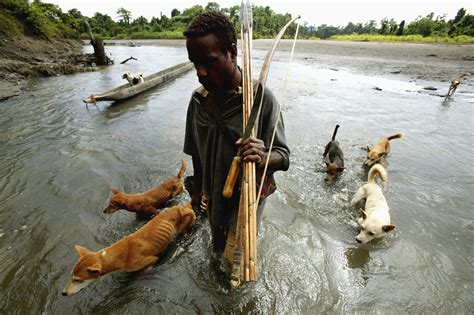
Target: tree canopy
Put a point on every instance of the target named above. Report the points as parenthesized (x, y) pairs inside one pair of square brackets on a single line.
[(47, 20)]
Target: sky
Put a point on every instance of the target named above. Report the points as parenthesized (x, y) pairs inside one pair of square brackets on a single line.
[(314, 12)]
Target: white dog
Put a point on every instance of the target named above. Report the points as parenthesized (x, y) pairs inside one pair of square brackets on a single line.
[(138, 78), (375, 220)]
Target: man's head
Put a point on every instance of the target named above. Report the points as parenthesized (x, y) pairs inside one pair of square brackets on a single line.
[(212, 47)]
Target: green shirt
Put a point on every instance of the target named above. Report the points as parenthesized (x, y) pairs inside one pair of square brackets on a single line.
[(205, 141)]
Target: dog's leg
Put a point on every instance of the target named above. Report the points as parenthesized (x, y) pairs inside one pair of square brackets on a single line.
[(326, 150), (149, 210), (359, 195), (454, 89), (185, 225), (149, 261)]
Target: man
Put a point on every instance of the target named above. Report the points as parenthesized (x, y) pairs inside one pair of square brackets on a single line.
[(214, 126)]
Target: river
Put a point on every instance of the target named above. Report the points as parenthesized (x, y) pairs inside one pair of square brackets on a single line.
[(59, 160)]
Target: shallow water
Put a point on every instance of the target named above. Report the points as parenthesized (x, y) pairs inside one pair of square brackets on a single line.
[(58, 161)]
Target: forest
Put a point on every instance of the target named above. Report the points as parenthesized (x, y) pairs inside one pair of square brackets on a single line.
[(45, 20)]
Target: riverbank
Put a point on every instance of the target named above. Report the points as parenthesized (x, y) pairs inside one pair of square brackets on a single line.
[(417, 61), (462, 39), (23, 58)]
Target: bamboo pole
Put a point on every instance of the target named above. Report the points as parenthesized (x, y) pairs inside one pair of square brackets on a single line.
[(245, 242), (252, 178), (250, 166)]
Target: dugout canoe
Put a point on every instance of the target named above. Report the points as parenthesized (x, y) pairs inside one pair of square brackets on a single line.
[(126, 91)]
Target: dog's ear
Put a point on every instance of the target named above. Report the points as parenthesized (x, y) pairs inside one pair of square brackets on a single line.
[(368, 149), (388, 228), (363, 214), (94, 270), (114, 191), (381, 154), (82, 251)]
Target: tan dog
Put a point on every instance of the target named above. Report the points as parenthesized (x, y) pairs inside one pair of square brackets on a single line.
[(134, 252), (375, 220), (380, 150), (148, 203), (455, 83)]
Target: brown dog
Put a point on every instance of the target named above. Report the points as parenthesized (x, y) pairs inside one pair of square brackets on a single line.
[(455, 83), (333, 157), (381, 149), (148, 203), (135, 251)]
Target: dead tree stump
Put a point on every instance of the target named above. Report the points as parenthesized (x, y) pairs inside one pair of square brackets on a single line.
[(99, 52)]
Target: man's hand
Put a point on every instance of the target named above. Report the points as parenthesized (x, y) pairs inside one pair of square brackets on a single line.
[(253, 150)]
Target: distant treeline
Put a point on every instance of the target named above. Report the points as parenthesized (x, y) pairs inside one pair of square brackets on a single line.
[(47, 20)]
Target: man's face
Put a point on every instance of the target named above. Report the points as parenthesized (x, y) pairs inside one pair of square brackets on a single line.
[(214, 68)]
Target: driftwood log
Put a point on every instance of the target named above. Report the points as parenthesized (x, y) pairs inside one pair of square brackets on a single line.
[(99, 52), (131, 57)]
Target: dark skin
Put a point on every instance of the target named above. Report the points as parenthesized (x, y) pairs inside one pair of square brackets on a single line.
[(218, 73)]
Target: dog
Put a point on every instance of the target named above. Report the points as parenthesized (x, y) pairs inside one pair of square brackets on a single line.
[(380, 150), (133, 80), (333, 157), (133, 252), (148, 203), (455, 83), (375, 219)]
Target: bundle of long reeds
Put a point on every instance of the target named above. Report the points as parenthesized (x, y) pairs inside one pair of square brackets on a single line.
[(245, 252), (245, 248)]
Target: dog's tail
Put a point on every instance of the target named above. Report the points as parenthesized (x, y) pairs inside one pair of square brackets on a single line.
[(334, 133), (182, 170), (377, 169), (397, 136)]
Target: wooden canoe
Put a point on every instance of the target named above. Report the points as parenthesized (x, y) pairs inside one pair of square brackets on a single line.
[(126, 91)]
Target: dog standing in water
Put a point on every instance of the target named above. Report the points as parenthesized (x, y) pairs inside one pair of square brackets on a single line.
[(455, 83), (133, 252), (375, 219), (380, 150), (148, 203), (333, 157)]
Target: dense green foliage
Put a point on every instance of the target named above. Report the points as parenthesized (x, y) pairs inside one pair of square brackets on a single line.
[(429, 26), (37, 19), (47, 20), (404, 38)]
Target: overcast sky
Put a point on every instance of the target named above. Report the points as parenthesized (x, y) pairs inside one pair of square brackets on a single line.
[(315, 12)]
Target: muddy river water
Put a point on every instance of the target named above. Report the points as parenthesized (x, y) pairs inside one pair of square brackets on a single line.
[(58, 161)]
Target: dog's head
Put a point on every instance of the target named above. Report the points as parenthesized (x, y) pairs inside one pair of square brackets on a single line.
[(174, 186), (331, 170), (117, 202), (371, 228), (373, 156), (87, 269), (186, 220), (125, 75)]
